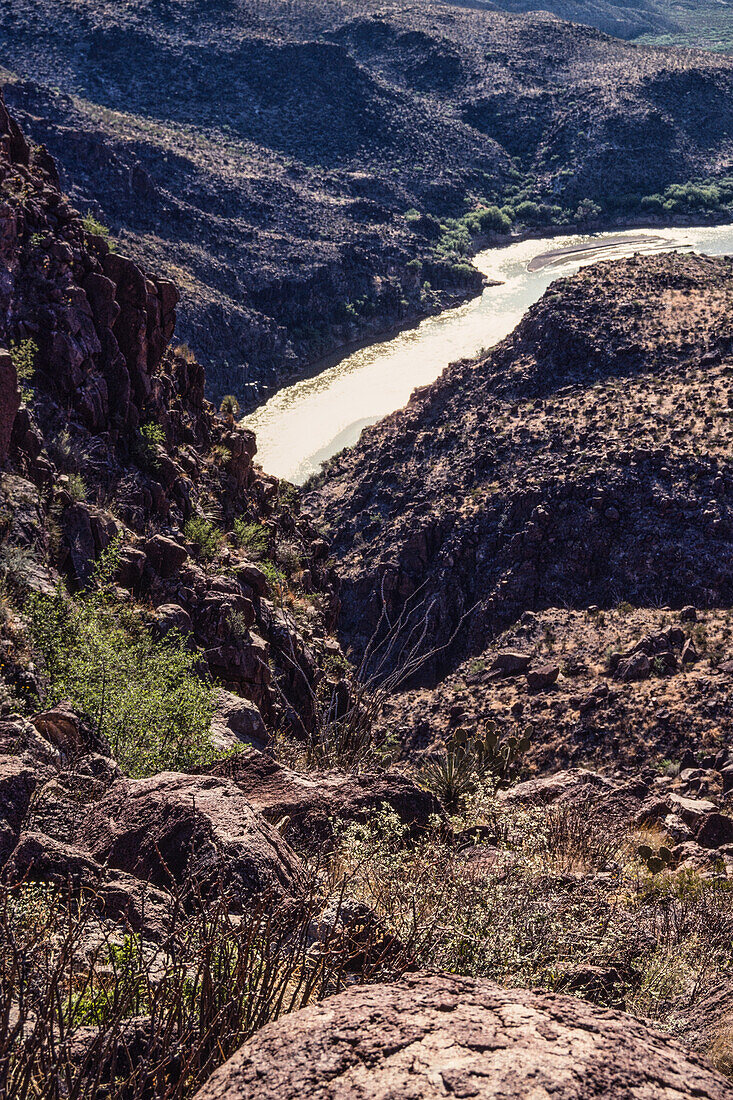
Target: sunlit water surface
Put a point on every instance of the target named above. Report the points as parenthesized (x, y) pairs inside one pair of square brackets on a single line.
[(304, 424)]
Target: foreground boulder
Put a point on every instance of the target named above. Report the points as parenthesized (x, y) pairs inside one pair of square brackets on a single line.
[(194, 831), (432, 1036), (307, 807)]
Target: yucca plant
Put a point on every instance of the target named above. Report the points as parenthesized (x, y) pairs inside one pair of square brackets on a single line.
[(470, 758)]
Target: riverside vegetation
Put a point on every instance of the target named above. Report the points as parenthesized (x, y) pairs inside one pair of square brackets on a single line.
[(269, 761)]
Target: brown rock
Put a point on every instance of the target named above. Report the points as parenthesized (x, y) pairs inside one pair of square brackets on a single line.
[(563, 786), (636, 667), (165, 555), (237, 721), (42, 858), (9, 401), (509, 663), (539, 679), (432, 1036), (308, 805), (715, 830), (187, 829)]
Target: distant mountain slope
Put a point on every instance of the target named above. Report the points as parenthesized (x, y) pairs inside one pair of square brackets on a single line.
[(265, 155), (623, 20)]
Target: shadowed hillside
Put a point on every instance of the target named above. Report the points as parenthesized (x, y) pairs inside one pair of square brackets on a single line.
[(266, 156)]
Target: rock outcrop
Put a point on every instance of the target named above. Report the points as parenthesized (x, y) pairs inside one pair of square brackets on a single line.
[(307, 808), (111, 443), (198, 832), (437, 1035)]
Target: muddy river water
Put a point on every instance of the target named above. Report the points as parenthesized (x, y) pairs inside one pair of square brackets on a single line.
[(304, 424)]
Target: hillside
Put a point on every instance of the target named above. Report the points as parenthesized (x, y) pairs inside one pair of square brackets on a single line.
[(235, 864), (584, 463), (622, 20), (280, 207)]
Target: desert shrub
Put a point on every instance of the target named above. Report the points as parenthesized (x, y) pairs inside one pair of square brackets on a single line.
[(149, 438), (68, 986), (470, 759), (204, 535), (148, 698), (76, 487), (229, 405), (492, 219), (93, 226), (24, 354), (275, 577), (499, 908), (252, 537)]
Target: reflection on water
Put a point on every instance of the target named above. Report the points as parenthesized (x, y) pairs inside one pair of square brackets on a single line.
[(303, 425)]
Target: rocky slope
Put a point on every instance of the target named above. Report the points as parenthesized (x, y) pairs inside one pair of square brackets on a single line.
[(583, 463), (279, 207), (161, 901), (620, 20)]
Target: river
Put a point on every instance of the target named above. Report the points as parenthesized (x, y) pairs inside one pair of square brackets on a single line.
[(304, 424)]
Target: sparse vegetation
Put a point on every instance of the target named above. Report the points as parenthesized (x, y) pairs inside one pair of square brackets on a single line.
[(205, 536), (150, 700)]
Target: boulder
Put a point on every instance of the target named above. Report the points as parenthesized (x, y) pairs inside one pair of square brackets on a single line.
[(171, 616), (636, 667), (510, 663), (431, 1036), (19, 737), (716, 829), (306, 806), (63, 728), (563, 786), (195, 831), (166, 556), (237, 721), (693, 811), (41, 858), (542, 678)]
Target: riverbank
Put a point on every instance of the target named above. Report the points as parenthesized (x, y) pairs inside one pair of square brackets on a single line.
[(305, 424), (446, 299)]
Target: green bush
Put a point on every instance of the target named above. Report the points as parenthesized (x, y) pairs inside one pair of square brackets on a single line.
[(24, 354), (147, 697), (150, 437), (252, 537), (492, 219), (93, 226), (229, 405), (205, 537)]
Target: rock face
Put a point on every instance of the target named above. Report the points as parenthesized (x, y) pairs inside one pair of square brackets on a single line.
[(91, 331), (192, 831), (308, 806), (435, 1036)]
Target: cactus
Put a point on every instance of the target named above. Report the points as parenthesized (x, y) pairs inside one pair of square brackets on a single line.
[(655, 861), (468, 758)]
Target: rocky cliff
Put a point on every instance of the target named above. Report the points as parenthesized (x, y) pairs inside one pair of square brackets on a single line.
[(114, 442)]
